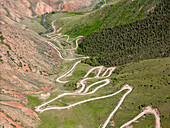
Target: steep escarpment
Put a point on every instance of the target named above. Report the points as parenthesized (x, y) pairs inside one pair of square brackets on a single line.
[(76, 4), (63, 5), (16, 11), (70, 5), (42, 8)]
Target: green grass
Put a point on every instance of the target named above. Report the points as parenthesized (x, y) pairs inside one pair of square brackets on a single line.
[(33, 101), (87, 115), (77, 75), (34, 24), (151, 87), (150, 79), (148, 120), (117, 12), (96, 6)]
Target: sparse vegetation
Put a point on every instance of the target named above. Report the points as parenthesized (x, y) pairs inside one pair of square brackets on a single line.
[(2, 42)]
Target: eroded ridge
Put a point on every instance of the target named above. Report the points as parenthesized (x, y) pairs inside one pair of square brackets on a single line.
[(16, 124)]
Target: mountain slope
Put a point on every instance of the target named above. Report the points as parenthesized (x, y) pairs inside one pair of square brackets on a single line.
[(117, 12), (143, 39), (33, 67), (25, 52), (151, 88), (13, 11), (26, 63)]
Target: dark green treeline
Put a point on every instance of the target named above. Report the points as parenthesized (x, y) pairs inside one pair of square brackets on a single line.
[(140, 40)]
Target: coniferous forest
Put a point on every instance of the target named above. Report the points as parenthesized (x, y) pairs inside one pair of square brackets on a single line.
[(140, 40)]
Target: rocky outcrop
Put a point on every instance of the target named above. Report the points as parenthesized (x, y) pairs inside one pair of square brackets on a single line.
[(17, 124), (16, 10), (56, 4), (42, 8), (75, 4), (69, 5)]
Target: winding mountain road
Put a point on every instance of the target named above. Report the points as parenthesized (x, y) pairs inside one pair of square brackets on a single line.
[(57, 49), (71, 70), (84, 90)]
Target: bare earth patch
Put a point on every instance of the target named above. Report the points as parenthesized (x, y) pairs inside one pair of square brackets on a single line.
[(17, 124), (26, 110)]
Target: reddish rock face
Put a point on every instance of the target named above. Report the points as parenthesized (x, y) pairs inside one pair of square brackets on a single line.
[(73, 5), (26, 60), (17, 124), (42, 8), (16, 10), (56, 4), (69, 5), (18, 105), (61, 5)]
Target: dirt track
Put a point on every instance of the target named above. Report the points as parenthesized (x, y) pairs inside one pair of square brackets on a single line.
[(57, 48), (150, 110), (86, 89)]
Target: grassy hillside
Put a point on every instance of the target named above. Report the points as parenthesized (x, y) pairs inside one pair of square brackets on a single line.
[(150, 79), (116, 12), (151, 87), (143, 39)]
